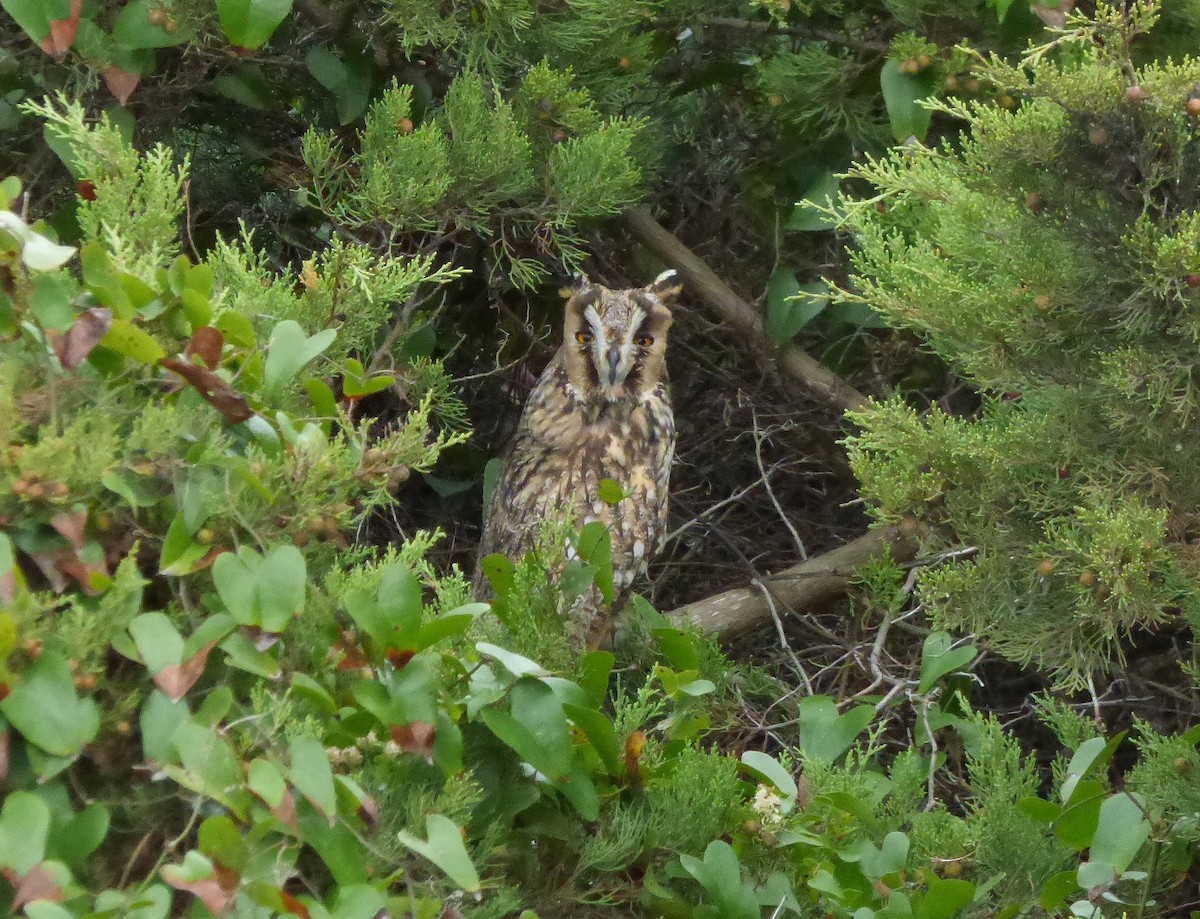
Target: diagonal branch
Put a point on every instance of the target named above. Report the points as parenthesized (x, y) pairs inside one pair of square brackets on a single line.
[(811, 583), (793, 362)]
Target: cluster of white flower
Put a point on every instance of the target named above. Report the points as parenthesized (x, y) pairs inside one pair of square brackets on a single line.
[(769, 806)]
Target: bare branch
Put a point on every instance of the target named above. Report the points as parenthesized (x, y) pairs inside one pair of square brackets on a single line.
[(744, 319)]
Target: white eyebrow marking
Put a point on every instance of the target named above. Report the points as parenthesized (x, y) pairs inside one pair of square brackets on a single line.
[(593, 317)]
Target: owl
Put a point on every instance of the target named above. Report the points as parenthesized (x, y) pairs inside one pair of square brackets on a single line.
[(600, 410)]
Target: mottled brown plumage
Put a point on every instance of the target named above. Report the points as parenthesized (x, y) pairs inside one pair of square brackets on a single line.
[(601, 410)]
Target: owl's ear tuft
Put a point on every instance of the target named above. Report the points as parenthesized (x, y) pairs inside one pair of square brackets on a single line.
[(579, 285), (666, 286)]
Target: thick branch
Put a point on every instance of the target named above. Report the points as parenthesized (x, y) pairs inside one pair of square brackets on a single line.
[(740, 315), (802, 586)]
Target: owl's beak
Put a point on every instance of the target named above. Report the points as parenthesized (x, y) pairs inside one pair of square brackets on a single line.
[(615, 374)]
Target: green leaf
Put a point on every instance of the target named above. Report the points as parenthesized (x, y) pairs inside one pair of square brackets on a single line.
[(265, 780), (791, 305), (76, 839), (1056, 890), (900, 94), (51, 302), (444, 848), (1092, 753), (46, 710), (939, 657), (1121, 832), (127, 339), (159, 720), (35, 16), (212, 767), (535, 727), (264, 591), (24, 830), (610, 491), (288, 351), (180, 553), (768, 767), (220, 840), (249, 23), (349, 80), (943, 898), (133, 28), (808, 215), (512, 662), (312, 775), (158, 641), (824, 734)]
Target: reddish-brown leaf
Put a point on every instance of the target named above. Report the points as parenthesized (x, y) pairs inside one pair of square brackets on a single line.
[(176, 679), (8, 587), (4, 745), (86, 189), (368, 812), (85, 333), (293, 906), (399, 658), (38, 884), (449, 912), (285, 810), (206, 343), (72, 526), (1054, 16), (219, 394), (348, 653), (62, 31), (210, 891), (414, 737), (59, 562), (121, 83)]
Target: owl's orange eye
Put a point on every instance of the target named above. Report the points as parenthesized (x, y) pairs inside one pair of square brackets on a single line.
[(644, 341), (584, 338)]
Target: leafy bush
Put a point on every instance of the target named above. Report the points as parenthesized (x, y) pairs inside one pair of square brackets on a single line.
[(1050, 260)]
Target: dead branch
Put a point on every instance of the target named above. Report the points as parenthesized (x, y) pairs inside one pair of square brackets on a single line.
[(794, 363), (804, 586)]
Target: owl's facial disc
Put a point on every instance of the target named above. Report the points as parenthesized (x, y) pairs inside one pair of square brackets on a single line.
[(613, 352)]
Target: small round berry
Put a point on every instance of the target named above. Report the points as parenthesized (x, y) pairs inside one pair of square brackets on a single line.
[(1135, 94), (1097, 135), (910, 66), (1035, 202), (156, 16), (774, 100), (1193, 108), (909, 525), (1046, 567), (1041, 302), (1192, 280), (1087, 579)]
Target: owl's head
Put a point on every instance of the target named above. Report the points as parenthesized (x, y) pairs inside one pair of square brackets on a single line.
[(615, 341)]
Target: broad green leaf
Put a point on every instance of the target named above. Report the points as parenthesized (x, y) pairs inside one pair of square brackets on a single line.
[(180, 553), (220, 840), (288, 351), (768, 767), (135, 28), (610, 491), (24, 830), (900, 94), (51, 302), (512, 662), (1056, 890), (249, 23), (337, 845), (444, 848), (600, 734), (943, 897), (159, 719), (1088, 755), (46, 710), (264, 591), (158, 641), (809, 215), (536, 728), (35, 16), (792, 305), (76, 839), (349, 80), (824, 734), (307, 687), (211, 763), (127, 339), (1121, 832), (312, 775), (265, 780), (939, 657)]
